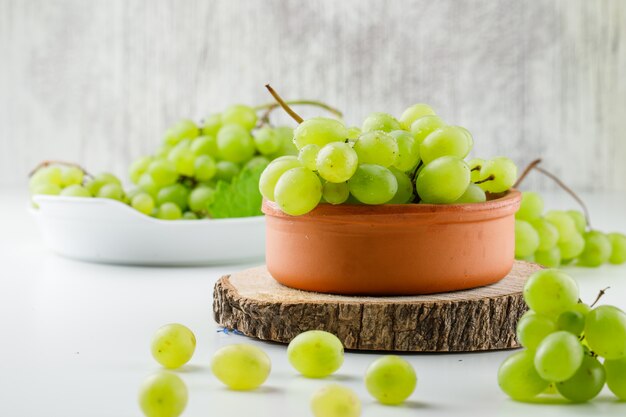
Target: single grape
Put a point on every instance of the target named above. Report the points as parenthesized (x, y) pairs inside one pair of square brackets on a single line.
[(201, 198), (373, 184), (183, 159), (173, 345), (266, 140), (377, 147), (390, 379), (473, 194), (618, 248), (319, 131), (336, 162), (273, 172), (335, 192), (226, 171), (380, 121), (75, 191), (95, 184), (147, 185), (143, 203), (550, 258), (616, 376), (408, 151), (175, 193), (558, 356), (234, 143), (563, 223), (548, 234), (353, 133), (579, 220), (50, 175), (475, 166), (573, 247), (71, 175), (597, 249), (257, 161), (185, 129), (204, 145), (139, 167), (500, 173), (298, 191), (424, 126), (414, 113), (518, 377), (335, 401), (163, 172), (586, 383), (526, 239), (308, 156), (287, 147), (531, 207), (582, 308), (443, 180), (211, 125), (112, 191), (240, 114), (204, 168), (163, 394), (571, 321), (605, 332), (531, 330), (404, 194), (445, 141), (169, 211), (241, 367), (315, 353), (550, 292)]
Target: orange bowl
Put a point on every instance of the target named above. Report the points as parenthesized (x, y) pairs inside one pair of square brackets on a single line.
[(394, 249)]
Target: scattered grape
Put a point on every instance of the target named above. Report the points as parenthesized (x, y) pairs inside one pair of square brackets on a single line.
[(173, 345), (163, 394), (315, 353), (241, 367), (390, 379), (335, 401)]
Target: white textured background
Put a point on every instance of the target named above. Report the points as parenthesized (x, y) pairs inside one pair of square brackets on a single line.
[(97, 82)]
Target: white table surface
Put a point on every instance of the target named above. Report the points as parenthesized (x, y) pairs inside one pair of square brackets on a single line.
[(75, 338)]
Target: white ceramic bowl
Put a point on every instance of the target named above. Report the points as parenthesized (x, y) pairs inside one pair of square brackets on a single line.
[(107, 231)]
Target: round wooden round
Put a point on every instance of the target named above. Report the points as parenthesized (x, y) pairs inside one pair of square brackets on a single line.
[(484, 318)]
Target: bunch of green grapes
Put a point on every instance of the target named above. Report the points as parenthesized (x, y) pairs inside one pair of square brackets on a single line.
[(416, 158), (564, 340), (562, 237), (179, 180)]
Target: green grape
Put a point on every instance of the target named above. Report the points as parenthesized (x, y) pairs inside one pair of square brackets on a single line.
[(163, 394), (204, 168), (548, 234), (378, 148), (380, 121), (408, 151), (473, 194), (266, 140), (579, 220), (550, 258), (550, 292), (139, 167), (531, 207), (373, 184), (175, 193), (257, 161), (211, 125), (526, 239), (273, 172), (146, 184), (71, 175), (336, 162), (308, 156), (501, 174), (201, 198), (616, 376), (445, 141), (475, 166), (240, 114), (335, 401), (234, 143), (226, 171), (528, 313), (185, 129), (518, 377), (571, 321), (572, 247), (143, 203), (424, 126), (298, 191), (75, 191), (404, 194), (558, 356), (390, 379), (204, 145), (443, 180), (413, 113), (163, 172), (618, 248), (183, 159), (112, 191), (353, 133), (319, 131), (605, 332), (287, 147), (531, 330), (190, 215), (581, 308), (335, 192), (597, 249), (315, 353), (163, 151), (169, 211), (563, 223), (173, 345), (95, 184), (586, 383), (47, 175), (241, 367)]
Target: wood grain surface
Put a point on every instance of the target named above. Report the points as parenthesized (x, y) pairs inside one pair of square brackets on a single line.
[(99, 81)]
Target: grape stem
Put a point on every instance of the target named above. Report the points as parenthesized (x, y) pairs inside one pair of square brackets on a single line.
[(600, 294), (489, 178), (416, 199), (47, 163), (270, 107), (295, 116)]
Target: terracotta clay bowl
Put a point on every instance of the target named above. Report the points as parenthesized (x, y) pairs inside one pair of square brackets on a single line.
[(405, 249)]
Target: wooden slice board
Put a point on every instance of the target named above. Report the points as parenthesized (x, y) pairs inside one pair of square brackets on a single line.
[(485, 318)]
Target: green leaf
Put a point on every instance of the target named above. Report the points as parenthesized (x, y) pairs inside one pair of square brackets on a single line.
[(239, 198)]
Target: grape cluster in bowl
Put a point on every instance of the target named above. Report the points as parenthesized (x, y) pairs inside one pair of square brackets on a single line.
[(417, 158)]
